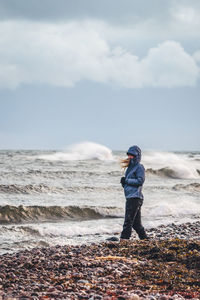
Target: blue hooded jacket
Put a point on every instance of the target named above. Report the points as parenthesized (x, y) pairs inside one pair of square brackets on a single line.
[(134, 175)]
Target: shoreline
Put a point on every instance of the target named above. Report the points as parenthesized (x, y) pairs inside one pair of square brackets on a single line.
[(165, 267)]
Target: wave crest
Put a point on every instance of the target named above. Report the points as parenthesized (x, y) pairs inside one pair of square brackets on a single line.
[(31, 189), (28, 189), (193, 187), (23, 214), (171, 173), (164, 172), (81, 151), (170, 165)]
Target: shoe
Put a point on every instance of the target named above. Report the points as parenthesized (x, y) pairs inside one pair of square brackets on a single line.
[(113, 239), (144, 237)]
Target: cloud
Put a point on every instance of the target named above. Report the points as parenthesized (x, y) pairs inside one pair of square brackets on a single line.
[(62, 54), (185, 19), (197, 56), (122, 11)]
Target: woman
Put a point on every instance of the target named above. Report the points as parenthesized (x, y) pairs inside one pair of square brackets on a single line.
[(132, 184)]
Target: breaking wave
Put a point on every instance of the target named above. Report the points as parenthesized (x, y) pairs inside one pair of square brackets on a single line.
[(173, 173), (25, 230), (23, 214), (163, 172), (81, 151), (192, 187), (29, 189), (170, 165)]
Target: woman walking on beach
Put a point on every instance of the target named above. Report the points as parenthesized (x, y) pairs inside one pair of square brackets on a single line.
[(132, 184)]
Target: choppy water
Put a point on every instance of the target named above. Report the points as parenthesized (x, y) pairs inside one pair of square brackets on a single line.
[(74, 196)]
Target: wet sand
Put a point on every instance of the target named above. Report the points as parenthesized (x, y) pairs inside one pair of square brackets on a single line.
[(164, 267)]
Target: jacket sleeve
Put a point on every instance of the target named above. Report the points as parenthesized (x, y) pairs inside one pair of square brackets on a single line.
[(140, 177)]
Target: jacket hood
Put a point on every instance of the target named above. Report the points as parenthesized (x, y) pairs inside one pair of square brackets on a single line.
[(136, 152)]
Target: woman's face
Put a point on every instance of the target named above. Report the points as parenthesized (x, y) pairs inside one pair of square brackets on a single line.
[(130, 156)]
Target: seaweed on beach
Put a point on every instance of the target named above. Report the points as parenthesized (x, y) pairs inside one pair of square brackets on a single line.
[(126, 270)]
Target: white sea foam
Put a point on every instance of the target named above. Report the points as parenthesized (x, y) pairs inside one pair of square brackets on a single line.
[(176, 208), (75, 229), (181, 165), (81, 151)]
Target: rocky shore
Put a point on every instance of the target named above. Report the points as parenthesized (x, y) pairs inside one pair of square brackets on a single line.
[(164, 267)]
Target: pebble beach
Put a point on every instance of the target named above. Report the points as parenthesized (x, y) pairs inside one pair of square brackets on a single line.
[(164, 267)]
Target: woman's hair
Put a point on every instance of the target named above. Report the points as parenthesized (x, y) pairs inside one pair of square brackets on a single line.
[(124, 162)]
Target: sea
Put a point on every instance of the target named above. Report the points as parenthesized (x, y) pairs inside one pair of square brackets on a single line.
[(74, 196)]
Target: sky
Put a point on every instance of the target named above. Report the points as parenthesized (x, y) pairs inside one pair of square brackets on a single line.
[(117, 73)]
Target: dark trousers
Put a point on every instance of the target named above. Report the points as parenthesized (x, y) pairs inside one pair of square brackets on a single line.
[(133, 219)]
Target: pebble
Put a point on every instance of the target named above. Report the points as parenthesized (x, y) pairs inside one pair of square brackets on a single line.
[(163, 297), (134, 297), (101, 271)]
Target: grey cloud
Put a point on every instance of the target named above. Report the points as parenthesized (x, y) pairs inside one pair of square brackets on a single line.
[(120, 11), (96, 29), (78, 51), (148, 22), (152, 21)]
